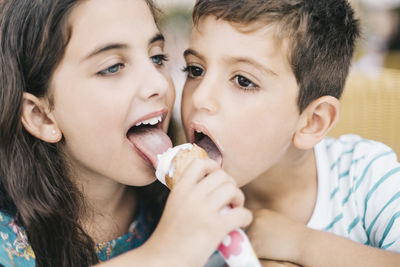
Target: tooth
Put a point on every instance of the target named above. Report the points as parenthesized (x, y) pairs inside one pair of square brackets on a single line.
[(197, 131), (151, 121), (155, 120), (147, 121)]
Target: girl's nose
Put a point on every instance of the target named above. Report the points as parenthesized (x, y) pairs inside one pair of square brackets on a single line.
[(156, 82)]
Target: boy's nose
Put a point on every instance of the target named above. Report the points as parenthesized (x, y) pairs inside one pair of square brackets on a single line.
[(205, 97)]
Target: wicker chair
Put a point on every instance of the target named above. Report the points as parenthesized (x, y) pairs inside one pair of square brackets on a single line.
[(371, 108), (392, 60)]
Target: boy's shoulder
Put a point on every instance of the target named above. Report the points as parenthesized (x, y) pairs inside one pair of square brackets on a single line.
[(15, 249), (358, 191), (355, 157), (354, 146)]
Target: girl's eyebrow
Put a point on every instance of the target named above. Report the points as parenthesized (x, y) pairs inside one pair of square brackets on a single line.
[(156, 38), (103, 49)]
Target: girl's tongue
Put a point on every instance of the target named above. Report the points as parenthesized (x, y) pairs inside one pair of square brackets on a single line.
[(149, 141)]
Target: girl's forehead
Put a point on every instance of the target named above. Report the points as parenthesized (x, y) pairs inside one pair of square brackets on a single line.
[(96, 23), (107, 11), (101, 15)]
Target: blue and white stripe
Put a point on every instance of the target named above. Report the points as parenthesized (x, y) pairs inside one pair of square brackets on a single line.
[(359, 191)]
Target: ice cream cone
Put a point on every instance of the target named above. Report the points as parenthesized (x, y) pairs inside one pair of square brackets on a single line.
[(235, 248)]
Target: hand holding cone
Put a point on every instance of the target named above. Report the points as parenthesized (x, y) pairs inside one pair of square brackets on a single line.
[(235, 248)]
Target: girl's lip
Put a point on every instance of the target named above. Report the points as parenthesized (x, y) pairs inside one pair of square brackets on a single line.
[(200, 127), (163, 113)]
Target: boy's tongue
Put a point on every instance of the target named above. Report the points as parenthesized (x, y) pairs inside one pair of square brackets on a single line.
[(150, 141)]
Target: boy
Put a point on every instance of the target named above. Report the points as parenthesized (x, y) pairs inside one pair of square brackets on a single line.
[(264, 79)]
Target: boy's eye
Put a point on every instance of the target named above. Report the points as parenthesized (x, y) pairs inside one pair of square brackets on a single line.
[(159, 59), (111, 70), (194, 71), (244, 83)]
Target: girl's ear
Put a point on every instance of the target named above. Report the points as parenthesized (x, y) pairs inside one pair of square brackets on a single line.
[(316, 121), (38, 120)]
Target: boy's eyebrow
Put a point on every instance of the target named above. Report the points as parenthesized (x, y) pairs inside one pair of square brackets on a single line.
[(111, 46), (189, 52), (233, 60), (236, 60)]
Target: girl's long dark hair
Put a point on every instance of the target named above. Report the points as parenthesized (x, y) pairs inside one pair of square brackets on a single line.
[(34, 187)]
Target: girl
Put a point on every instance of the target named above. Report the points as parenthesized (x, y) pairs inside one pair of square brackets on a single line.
[(84, 95)]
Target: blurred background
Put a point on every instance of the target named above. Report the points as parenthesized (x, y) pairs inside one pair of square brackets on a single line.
[(176, 25), (371, 101)]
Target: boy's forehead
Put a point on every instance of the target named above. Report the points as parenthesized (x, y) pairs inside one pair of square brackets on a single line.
[(267, 33), (236, 40)]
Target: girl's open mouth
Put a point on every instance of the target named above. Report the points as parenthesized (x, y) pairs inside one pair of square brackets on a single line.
[(149, 139)]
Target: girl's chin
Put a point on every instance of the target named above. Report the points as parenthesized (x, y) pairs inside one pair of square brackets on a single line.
[(142, 176), (141, 184)]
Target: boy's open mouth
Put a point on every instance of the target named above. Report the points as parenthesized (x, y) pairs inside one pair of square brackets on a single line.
[(205, 142), (149, 139)]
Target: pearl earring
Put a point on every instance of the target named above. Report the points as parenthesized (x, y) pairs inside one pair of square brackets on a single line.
[(54, 132)]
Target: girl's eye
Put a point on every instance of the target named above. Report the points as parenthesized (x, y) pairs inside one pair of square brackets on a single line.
[(194, 71), (244, 83), (111, 70), (159, 59)]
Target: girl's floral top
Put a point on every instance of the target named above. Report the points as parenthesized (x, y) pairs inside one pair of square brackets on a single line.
[(15, 250)]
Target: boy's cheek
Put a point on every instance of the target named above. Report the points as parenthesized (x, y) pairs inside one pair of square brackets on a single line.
[(186, 103)]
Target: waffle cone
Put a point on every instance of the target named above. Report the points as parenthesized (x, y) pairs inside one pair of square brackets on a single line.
[(181, 161)]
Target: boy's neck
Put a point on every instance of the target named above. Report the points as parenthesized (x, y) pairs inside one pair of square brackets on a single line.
[(290, 187)]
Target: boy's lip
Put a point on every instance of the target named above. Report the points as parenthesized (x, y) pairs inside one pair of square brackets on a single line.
[(196, 126)]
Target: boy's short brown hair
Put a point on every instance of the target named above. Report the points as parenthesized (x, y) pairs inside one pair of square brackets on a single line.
[(321, 37)]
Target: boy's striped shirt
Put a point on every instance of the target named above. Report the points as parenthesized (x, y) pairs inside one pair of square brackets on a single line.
[(358, 191)]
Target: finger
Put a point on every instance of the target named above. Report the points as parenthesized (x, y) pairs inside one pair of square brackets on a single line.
[(196, 171), (238, 200), (236, 218), (269, 263), (214, 180), (227, 194)]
